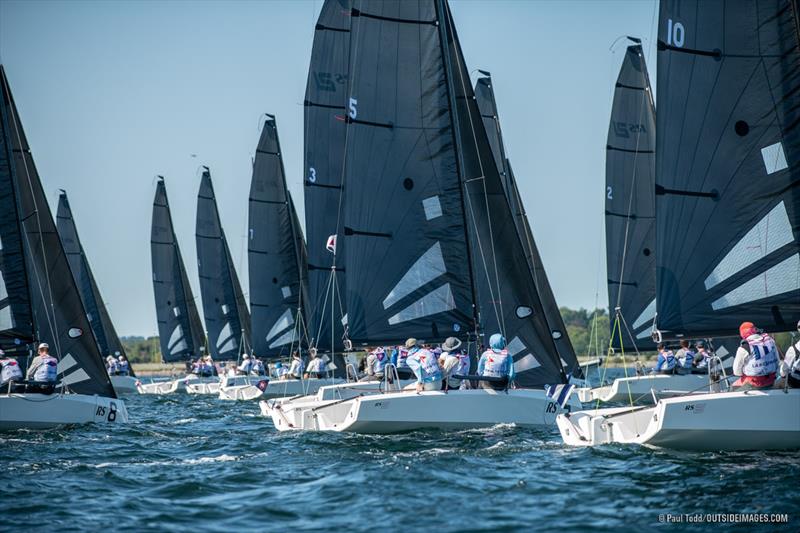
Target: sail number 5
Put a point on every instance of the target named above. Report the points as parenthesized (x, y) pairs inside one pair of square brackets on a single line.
[(675, 34)]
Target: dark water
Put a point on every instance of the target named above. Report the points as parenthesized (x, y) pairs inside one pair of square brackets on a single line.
[(189, 463)]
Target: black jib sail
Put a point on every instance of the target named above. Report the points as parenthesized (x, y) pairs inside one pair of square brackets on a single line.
[(276, 253), (39, 301), (630, 204), (179, 327), (107, 340), (727, 167), (224, 309), (487, 105), (324, 127), (431, 242)]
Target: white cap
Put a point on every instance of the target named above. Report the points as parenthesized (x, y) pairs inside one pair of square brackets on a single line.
[(43, 345), (246, 356)]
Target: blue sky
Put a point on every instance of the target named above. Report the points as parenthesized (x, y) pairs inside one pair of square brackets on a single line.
[(113, 93)]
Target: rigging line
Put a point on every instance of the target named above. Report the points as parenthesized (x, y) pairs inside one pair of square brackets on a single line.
[(53, 324), (465, 91)]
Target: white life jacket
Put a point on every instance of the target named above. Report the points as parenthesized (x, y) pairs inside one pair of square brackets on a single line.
[(496, 363), (793, 360), (246, 366), (10, 370), (48, 371), (282, 371), (702, 359), (296, 369), (380, 362), (113, 367), (763, 358), (124, 366), (669, 361), (258, 367), (402, 358), (425, 365)]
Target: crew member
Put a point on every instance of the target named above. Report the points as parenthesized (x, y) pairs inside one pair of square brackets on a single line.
[(400, 360), (9, 371), (296, 368), (123, 364), (756, 360), (44, 368), (258, 367), (790, 368), (496, 362), (375, 366), (454, 362), (246, 366), (685, 357), (112, 366), (666, 362), (423, 363)]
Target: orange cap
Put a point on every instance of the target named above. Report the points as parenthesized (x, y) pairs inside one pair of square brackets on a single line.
[(747, 329)]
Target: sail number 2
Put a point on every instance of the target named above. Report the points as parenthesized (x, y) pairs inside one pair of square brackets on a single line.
[(675, 34)]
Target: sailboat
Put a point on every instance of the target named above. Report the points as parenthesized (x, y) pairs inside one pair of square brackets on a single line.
[(40, 301), (727, 218), (225, 311), (278, 275), (421, 194), (179, 328), (107, 340)]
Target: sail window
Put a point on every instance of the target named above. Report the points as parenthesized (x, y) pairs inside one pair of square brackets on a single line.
[(344, 319), (524, 311), (76, 377), (74, 333), (433, 209), (528, 362), (286, 338), (225, 309), (779, 279), (179, 347), (437, 301), (427, 268), (515, 346), (177, 335), (556, 334), (646, 315), (769, 234), (176, 311), (284, 321), (224, 335), (774, 157), (286, 291), (230, 345), (6, 320)]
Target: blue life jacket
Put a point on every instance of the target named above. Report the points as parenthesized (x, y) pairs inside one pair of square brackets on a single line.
[(381, 360), (424, 365), (666, 362)]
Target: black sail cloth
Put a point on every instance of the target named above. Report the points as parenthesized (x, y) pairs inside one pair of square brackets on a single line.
[(324, 126), (224, 309), (630, 203), (179, 327), (276, 254), (107, 340), (487, 105), (39, 300), (727, 167)]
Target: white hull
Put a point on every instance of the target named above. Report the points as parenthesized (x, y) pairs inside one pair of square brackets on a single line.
[(638, 388), (176, 385), (125, 384), (42, 411), (746, 420), (408, 410), (245, 388), (203, 386)]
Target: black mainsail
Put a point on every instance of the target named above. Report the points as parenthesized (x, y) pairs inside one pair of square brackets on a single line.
[(424, 200), (727, 166), (224, 309), (324, 126), (276, 253), (39, 301), (630, 203), (487, 105), (179, 327), (107, 340)]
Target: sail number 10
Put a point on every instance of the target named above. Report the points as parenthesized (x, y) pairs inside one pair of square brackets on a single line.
[(676, 35)]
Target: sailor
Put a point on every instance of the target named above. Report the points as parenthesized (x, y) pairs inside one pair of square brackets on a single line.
[(756, 360), (496, 362), (280, 370), (375, 366), (701, 358), (209, 367), (123, 364), (316, 367), (666, 362), (112, 366), (400, 360), (423, 363), (246, 366), (685, 357), (258, 367), (9, 371), (44, 367), (454, 362), (790, 368), (296, 368)]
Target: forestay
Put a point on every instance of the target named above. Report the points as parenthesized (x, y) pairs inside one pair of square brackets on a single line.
[(630, 203), (728, 185), (39, 301), (224, 309), (276, 253), (107, 340), (179, 327), (324, 127)]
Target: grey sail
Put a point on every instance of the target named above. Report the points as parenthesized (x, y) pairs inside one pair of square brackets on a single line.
[(179, 327), (727, 167), (39, 301), (107, 340), (630, 203), (276, 254), (324, 127), (226, 315), (487, 105), (508, 299)]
